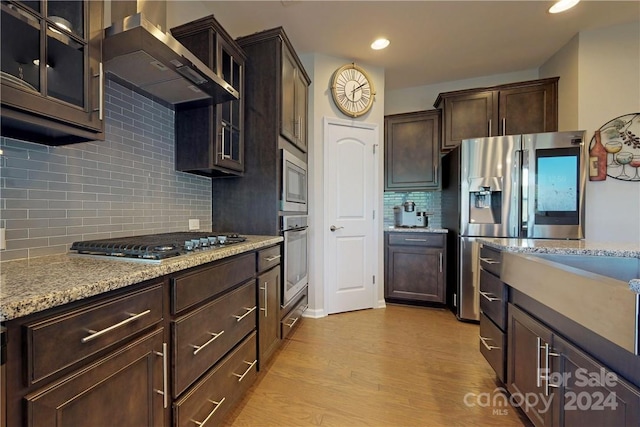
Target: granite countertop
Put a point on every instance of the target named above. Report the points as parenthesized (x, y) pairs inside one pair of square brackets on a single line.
[(568, 247), (31, 285), (415, 229)]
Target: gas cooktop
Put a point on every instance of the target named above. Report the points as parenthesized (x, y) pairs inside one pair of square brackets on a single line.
[(155, 247)]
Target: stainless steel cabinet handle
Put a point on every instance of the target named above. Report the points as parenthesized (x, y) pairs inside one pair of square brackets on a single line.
[(489, 296), (249, 310), (548, 353), (538, 347), (265, 290), (415, 240), (489, 127), (165, 375), (334, 228), (96, 334), (223, 154), (440, 262), (100, 77), (484, 340), (251, 364), (197, 348), (504, 126), (489, 260), (272, 258), (218, 405)]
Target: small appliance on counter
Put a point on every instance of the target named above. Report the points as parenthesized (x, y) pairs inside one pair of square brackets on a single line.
[(408, 216)]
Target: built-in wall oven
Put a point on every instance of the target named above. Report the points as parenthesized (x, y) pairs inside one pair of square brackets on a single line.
[(293, 197), (296, 261)]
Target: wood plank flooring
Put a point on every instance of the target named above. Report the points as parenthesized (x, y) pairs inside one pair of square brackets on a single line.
[(397, 366)]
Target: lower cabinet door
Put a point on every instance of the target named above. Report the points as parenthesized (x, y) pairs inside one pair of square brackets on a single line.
[(492, 345), (122, 389), (588, 394), (211, 399), (268, 321)]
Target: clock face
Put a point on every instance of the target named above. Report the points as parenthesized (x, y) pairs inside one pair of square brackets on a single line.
[(352, 90)]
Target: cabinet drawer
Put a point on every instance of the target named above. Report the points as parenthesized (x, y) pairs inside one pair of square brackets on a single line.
[(493, 298), (492, 345), (268, 258), (417, 239), (289, 322), (491, 259), (194, 287), (56, 343), (212, 398), (203, 337)]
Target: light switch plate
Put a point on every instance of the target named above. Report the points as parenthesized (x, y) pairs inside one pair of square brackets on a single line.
[(194, 224)]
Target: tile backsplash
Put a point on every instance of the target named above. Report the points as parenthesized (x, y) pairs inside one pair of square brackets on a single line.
[(123, 186), (428, 201)]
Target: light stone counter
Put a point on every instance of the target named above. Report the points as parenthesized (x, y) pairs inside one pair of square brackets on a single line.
[(568, 247), (416, 229), (36, 284)]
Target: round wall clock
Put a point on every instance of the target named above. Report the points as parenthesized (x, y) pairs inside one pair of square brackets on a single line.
[(352, 90)]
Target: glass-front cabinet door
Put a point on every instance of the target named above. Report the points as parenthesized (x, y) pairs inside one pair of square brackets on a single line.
[(52, 80)]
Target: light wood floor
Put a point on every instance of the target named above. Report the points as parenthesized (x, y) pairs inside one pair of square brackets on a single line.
[(398, 366)]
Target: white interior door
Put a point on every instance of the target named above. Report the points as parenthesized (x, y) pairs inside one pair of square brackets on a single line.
[(349, 194)]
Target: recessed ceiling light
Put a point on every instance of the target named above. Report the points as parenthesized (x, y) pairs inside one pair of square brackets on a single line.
[(563, 5), (380, 44)]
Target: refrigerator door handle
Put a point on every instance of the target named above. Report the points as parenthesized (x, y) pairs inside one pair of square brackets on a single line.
[(516, 221), (524, 204)]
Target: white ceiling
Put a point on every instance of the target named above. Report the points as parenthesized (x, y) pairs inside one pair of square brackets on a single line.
[(431, 41)]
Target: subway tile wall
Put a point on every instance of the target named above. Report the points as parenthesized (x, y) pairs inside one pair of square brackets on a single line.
[(428, 201), (123, 186)]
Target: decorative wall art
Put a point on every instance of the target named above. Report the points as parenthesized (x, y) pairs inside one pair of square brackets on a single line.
[(614, 150)]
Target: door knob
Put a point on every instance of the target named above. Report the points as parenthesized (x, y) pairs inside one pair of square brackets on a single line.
[(334, 228)]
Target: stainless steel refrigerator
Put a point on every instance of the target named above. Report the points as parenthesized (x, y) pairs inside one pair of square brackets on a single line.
[(519, 186)]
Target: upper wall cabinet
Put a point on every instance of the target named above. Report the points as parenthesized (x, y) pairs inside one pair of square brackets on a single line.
[(412, 151), (517, 108), (210, 139), (52, 80), (295, 84)]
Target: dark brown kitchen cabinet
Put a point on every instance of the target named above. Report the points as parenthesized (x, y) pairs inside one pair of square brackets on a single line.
[(269, 283), (511, 109), (590, 395), (414, 267), (122, 390), (105, 358), (295, 83), (52, 80), (528, 341), (412, 151), (210, 138)]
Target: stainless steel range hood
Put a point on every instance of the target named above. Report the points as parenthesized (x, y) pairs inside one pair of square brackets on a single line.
[(145, 58)]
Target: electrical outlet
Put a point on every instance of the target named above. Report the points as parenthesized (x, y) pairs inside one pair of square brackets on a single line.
[(3, 241), (194, 224)]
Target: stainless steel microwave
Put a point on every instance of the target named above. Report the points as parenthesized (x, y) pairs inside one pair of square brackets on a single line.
[(294, 183)]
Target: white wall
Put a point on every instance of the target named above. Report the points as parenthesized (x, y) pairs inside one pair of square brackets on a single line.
[(608, 87), (320, 68)]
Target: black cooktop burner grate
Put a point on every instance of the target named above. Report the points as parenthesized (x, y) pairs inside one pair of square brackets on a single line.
[(155, 246)]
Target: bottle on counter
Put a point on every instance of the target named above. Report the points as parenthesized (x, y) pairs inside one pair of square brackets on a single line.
[(597, 160)]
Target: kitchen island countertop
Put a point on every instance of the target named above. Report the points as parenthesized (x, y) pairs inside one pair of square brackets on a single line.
[(416, 229), (36, 284)]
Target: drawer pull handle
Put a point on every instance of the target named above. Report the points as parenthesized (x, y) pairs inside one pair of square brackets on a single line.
[(272, 258), (165, 375), (96, 334), (251, 364), (249, 310), (489, 260), (197, 348), (489, 296), (415, 240), (266, 298), (218, 404), (483, 340)]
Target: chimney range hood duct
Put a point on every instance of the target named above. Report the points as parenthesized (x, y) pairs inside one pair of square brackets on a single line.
[(146, 59)]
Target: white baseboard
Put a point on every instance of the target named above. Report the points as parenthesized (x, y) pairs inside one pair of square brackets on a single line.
[(382, 303), (314, 314)]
